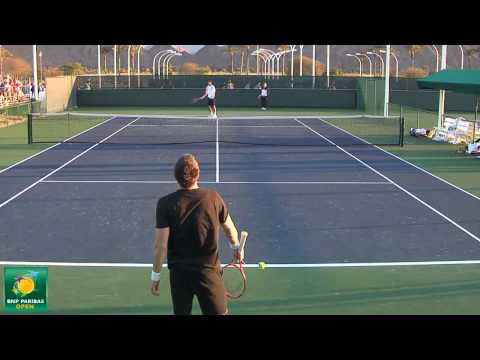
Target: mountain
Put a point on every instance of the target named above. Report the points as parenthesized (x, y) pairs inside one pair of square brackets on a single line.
[(214, 56)]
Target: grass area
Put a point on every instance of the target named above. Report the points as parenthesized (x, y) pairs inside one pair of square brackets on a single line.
[(442, 289), (227, 111), (445, 289)]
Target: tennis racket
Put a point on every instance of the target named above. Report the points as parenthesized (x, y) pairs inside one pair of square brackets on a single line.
[(233, 274), (195, 100)]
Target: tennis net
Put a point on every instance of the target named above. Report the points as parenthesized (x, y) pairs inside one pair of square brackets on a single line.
[(71, 127)]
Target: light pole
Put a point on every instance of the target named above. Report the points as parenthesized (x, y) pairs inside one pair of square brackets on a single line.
[(301, 59), (313, 66), (292, 49), (369, 60), (386, 98), (328, 66), (35, 79), (155, 58), (166, 60), (115, 64), (359, 62), (166, 53), (40, 58), (461, 50), (169, 59), (99, 65), (396, 61), (258, 60), (138, 64), (262, 56), (436, 53), (128, 63), (381, 59), (270, 55)]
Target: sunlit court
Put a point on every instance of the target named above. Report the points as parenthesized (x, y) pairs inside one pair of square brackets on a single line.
[(358, 189)]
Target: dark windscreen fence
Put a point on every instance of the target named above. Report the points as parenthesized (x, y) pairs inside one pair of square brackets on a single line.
[(148, 81), (170, 130)]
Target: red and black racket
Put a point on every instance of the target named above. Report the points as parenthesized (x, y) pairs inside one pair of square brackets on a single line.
[(233, 274)]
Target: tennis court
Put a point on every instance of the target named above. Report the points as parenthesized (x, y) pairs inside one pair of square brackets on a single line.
[(313, 191)]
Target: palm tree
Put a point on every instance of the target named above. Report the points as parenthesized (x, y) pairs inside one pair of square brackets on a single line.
[(120, 48), (248, 47), (105, 51), (133, 52), (231, 50), (413, 50), (244, 49), (470, 54)]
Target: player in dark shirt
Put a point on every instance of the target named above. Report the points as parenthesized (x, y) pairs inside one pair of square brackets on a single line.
[(188, 225)]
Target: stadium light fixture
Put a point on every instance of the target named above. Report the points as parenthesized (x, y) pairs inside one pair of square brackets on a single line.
[(359, 62), (160, 53), (396, 61), (369, 60), (381, 59), (166, 61), (461, 50), (159, 61), (436, 54)]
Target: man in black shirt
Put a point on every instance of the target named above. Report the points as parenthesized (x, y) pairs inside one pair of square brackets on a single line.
[(188, 229)]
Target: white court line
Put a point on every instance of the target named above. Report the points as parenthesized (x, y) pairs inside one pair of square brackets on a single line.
[(294, 266), (217, 157), (222, 182), (406, 161), (393, 183), (62, 166), (51, 147), (223, 126)]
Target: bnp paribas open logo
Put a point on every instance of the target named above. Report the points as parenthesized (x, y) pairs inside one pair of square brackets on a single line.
[(25, 289)]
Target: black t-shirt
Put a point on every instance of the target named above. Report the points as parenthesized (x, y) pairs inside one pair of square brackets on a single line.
[(194, 218)]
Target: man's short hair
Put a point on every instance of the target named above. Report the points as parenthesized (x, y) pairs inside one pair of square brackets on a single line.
[(187, 171)]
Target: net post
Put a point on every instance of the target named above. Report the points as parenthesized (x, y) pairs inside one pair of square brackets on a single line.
[(29, 129), (402, 130)]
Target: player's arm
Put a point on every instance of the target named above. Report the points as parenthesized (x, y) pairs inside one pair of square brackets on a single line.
[(204, 95), (232, 236), (160, 253)]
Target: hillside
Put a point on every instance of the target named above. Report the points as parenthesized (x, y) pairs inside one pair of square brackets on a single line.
[(214, 56)]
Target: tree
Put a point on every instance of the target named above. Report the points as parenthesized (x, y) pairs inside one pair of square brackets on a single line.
[(16, 65), (105, 51), (73, 69), (189, 68), (414, 72), (414, 50), (133, 52), (248, 47), (231, 50), (120, 48), (307, 67), (471, 53)]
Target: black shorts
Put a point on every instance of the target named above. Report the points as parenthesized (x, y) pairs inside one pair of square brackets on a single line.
[(206, 284), (211, 102), (263, 100)]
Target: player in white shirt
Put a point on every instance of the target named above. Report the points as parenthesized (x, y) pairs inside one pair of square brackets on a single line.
[(263, 96), (210, 94)]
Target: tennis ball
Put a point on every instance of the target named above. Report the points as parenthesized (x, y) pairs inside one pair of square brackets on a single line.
[(262, 265)]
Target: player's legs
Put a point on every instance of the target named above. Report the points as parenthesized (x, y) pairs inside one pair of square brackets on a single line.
[(210, 292), (181, 291)]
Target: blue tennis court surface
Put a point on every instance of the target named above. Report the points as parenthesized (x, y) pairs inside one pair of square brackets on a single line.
[(316, 195)]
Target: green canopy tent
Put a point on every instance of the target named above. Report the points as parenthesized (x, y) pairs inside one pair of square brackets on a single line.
[(455, 80)]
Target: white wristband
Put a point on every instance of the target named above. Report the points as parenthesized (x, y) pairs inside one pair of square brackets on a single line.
[(155, 276), (235, 247)]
